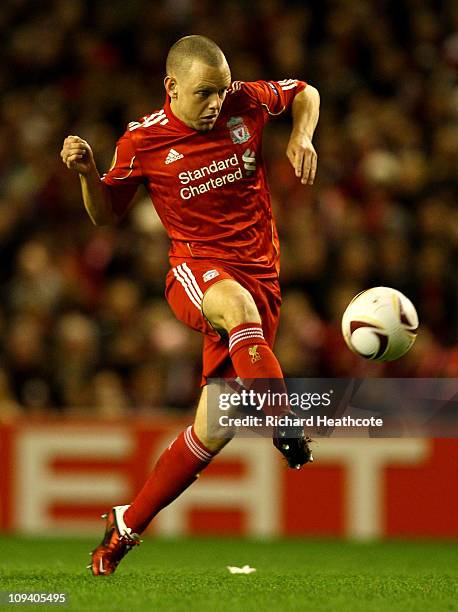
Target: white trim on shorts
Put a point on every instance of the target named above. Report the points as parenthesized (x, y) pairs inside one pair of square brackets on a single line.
[(184, 275)]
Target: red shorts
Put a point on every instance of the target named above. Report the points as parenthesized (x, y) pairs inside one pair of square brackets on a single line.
[(185, 286)]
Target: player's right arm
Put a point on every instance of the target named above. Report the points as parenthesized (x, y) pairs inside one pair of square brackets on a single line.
[(77, 155), (106, 198)]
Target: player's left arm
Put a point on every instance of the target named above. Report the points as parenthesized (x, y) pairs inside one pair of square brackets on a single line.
[(300, 150)]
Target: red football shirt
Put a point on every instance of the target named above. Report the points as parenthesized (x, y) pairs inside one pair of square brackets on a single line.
[(209, 189)]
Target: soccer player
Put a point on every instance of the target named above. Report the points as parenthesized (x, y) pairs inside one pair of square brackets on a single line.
[(200, 158)]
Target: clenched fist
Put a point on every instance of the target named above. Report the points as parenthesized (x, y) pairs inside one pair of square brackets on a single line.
[(77, 155)]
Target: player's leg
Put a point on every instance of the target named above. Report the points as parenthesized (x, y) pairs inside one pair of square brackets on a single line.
[(230, 307), (189, 453), (206, 424), (177, 468)]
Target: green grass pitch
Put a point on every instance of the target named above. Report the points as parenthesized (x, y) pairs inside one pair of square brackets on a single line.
[(190, 574)]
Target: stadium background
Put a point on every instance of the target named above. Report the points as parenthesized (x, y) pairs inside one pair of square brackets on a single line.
[(94, 369)]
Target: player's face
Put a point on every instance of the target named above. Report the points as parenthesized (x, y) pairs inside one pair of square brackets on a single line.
[(199, 95)]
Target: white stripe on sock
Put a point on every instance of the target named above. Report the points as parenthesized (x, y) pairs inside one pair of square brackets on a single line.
[(244, 335), (246, 329), (252, 338), (194, 448), (204, 454)]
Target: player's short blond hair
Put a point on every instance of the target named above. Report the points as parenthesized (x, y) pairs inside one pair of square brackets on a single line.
[(190, 48)]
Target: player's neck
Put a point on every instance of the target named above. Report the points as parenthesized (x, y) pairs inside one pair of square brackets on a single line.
[(176, 113)]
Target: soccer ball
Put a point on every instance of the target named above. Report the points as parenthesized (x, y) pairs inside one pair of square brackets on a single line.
[(380, 324)]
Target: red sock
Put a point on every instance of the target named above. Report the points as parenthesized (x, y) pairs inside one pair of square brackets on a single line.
[(253, 358), (175, 470), (251, 355)]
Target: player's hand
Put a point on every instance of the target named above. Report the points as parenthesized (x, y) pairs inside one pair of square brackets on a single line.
[(302, 155), (77, 155)]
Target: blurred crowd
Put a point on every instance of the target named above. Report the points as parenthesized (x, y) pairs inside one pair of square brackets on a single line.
[(83, 322)]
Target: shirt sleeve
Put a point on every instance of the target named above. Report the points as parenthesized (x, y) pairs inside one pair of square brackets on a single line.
[(275, 96), (124, 175)]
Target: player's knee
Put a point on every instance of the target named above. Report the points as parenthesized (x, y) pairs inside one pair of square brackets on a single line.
[(233, 308), (240, 309)]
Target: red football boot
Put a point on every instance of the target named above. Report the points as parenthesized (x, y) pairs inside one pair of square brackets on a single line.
[(116, 543)]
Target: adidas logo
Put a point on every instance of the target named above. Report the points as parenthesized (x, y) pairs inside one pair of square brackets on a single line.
[(173, 156)]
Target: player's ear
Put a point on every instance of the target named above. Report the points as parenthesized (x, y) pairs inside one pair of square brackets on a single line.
[(170, 85)]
